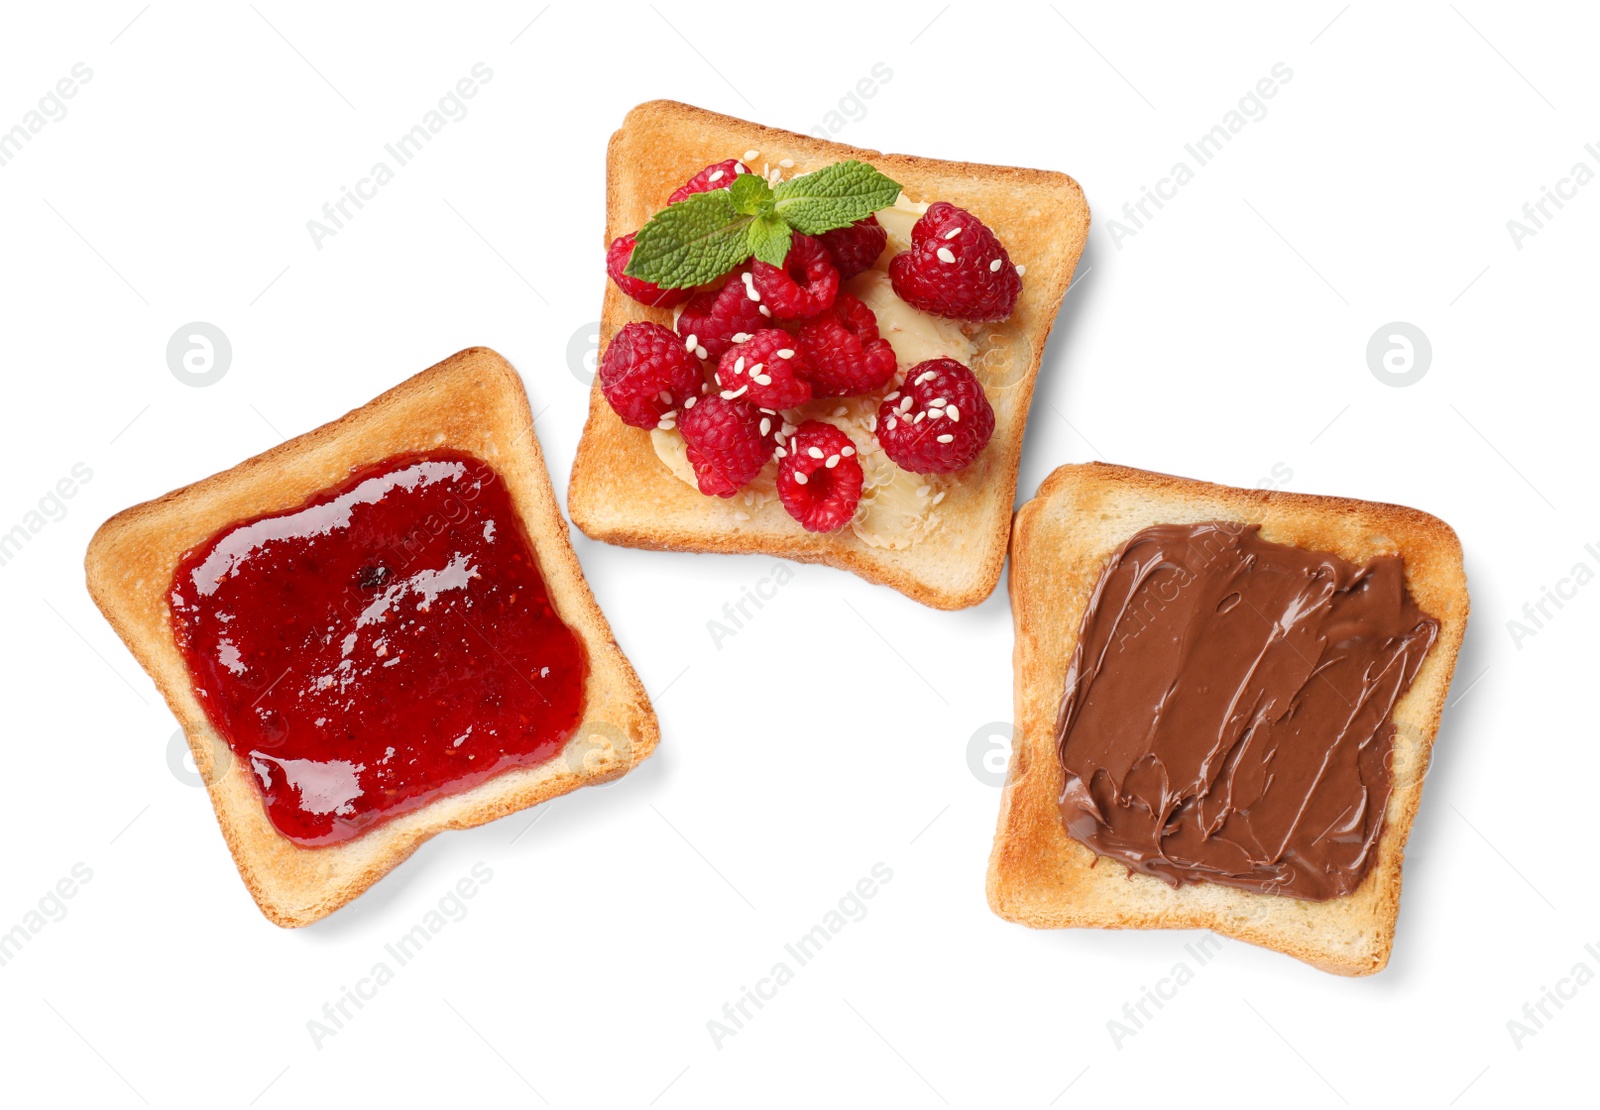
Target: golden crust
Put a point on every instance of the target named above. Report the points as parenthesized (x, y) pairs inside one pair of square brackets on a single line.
[(622, 494), (475, 402), (1062, 540)]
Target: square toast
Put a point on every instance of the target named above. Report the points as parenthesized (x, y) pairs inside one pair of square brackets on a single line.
[(1062, 539), (474, 402), (621, 493)]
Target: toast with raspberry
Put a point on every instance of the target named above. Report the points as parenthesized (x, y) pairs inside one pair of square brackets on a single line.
[(1062, 539), (473, 403), (623, 493)]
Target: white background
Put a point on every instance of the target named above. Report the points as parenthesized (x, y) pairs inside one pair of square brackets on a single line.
[(838, 729)]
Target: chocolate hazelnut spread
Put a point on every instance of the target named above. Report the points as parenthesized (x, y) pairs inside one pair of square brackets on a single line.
[(1228, 709)]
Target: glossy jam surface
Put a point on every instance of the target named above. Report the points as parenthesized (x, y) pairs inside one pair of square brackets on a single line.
[(389, 642)]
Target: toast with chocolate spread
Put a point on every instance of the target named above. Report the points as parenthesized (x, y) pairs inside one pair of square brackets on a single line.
[(309, 834), (1226, 704)]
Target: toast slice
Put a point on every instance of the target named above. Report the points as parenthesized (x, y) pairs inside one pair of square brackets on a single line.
[(620, 491), (1062, 540), (473, 401)]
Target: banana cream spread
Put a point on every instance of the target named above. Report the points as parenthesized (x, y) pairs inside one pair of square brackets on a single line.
[(897, 507), (1228, 709)]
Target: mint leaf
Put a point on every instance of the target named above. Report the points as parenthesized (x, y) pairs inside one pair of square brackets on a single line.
[(751, 195), (706, 235), (696, 240), (834, 196), (769, 239)]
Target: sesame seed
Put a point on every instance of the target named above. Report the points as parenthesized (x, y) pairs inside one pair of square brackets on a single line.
[(742, 337), (786, 353), (761, 379), (799, 477), (833, 461), (905, 404), (892, 396), (934, 414), (766, 426), (847, 451), (922, 491), (947, 438), (689, 404), (1021, 270), (814, 452), (788, 428), (937, 404), (716, 176), (951, 234), (917, 419), (946, 254), (738, 365), (892, 423), (700, 352), (994, 267), (938, 497), (692, 342), (751, 155), (781, 453), (872, 423), (751, 291), (734, 394), (786, 163), (922, 377), (666, 398), (765, 311), (756, 369), (953, 413), (739, 168), (741, 516), (840, 411), (667, 425)]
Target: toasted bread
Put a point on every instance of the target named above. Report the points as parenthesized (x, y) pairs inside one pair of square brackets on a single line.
[(620, 492), (474, 402), (1062, 539)]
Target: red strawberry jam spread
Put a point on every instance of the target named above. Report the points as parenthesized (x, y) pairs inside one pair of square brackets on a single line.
[(388, 642)]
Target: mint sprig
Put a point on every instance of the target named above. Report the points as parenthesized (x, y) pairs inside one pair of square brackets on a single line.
[(834, 196), (705, 235)]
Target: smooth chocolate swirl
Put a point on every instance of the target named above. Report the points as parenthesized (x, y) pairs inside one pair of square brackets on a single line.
[(1228, 709)]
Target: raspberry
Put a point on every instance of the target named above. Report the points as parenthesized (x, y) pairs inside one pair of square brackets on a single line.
[(855, 248), (715, 318), (847, 357), (819, 477), (646, 293), (646, 374), (956, 267), (769, 370), (728, 442), (716, 176), (804, 286), (938, 421)]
